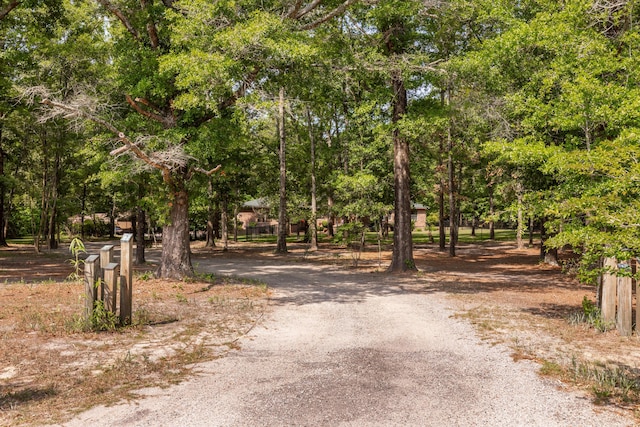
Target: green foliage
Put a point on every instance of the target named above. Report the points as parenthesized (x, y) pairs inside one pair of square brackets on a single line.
[(540, 101), (353, 235), (145, 275), (102, 319), (592, 316), (76, 247)]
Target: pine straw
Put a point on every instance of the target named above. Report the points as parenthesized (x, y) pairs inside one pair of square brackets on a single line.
[(50, 369)]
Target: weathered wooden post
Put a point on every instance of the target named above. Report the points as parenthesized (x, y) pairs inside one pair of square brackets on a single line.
[(91, 277), (106, 258), (609, 288), (126, 279), (623, 318), (110, 286)]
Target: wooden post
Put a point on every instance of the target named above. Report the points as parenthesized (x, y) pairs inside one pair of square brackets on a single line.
[(91, 276), (126, 279), (111, 273), (624, 319), (609, 287), (106, 258)]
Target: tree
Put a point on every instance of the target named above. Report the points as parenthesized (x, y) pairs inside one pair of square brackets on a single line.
[(24, 27), (565, 78), (282, 210)]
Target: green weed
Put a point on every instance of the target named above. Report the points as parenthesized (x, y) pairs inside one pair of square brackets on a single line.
[(76, 247), (590, 315)]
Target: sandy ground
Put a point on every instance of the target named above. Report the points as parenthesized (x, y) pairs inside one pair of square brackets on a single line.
[(348, 348)]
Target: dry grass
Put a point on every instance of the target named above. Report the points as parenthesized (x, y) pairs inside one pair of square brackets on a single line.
[(50, 368)]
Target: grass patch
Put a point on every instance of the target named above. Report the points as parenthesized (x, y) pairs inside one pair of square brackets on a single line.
[(617, 385)]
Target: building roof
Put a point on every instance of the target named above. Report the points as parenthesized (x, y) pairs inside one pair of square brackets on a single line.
[(261, 203)]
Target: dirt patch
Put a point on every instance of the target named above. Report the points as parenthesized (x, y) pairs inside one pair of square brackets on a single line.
[(51, 369)]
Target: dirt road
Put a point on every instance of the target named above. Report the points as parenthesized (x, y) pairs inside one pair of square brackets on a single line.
[(355, 349)]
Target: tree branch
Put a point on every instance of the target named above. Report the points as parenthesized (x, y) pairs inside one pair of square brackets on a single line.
[(111, 8), (151, 26), (232, 99), (335, 12), (208, 172), (8, 8), (308, 9), (167, 120), (128, 144), (293, 10), (240, 92)]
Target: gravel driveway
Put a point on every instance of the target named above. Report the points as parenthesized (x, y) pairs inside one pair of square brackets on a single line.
[(348, 349)]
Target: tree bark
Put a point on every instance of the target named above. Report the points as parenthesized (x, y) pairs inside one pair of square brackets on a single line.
[(3, 192), (332, 217), (313, 223), (112, 218), (402, 257), (547, 255), (282, 214), (224, 219), (473, 226), (531, 226), (442, 235), (451, 181), (83, 207), (492, 229), (53, 242), (520, 225), (44, 201), (453, 214), (236, 210), (175, 262), (210, 237)]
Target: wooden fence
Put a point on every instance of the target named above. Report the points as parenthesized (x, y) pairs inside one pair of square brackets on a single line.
[(103, 277), (616, 303)]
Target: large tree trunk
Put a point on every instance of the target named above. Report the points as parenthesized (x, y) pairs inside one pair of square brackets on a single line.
[(83, 208), (442, 235), (175, 262), (44, 201), (453, 202), (313, 223), (547, 255), (282, 214), (53, 242), (531, 226), (402, 258), (453, 213)]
